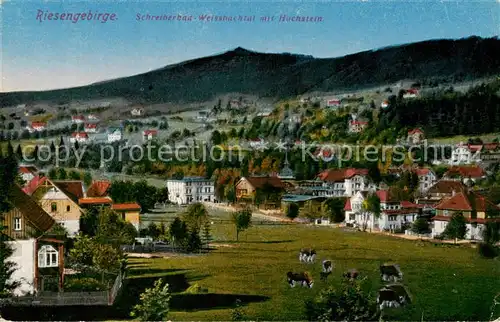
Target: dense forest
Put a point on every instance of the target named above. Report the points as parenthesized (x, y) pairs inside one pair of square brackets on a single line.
[(447, 114)]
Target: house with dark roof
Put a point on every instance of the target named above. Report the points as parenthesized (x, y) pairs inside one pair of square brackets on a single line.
[(438, 191), (465, 173), (60, 199), (26, 218), (476, 209), (260, 190)]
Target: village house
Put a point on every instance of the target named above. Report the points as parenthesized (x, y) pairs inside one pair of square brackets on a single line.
[(264, 113), (90, 127), (411, 93), (92, 117), (60, 200), (114, 135), (77, 119), (37, 127), (342, 182), (80, 137), (440, 190), (88, 202), (384, 104), (130, 212), (189, 190), (148, 135), (426, 179), (137, 111), (23, 224), (465, 173), (257, 143), (357, 126), (27, 172), (334, 102), (415, 136), (476, 209), (255, 189), (466, 154), (395, 214)]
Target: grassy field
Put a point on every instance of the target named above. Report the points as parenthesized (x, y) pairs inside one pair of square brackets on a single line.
[(446, 282)]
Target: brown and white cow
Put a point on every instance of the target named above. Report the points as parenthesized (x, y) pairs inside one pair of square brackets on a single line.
[(394, 295), (307, 255), (304, 279), (390, 273), (326, 269)]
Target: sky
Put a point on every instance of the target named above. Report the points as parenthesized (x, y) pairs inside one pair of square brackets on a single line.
[(40, 55)]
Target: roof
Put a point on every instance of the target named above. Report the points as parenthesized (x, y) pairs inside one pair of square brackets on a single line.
[(28, 169), (90, 125), (72, 188), (465, 171), (148, 132), (347, 206), (336, 175), (415, 131), (80, 134), (38, 124), (466, 201), (191, 179), (446, 187), (359, 123), (78, 117), (98, 188), (95, 201), (33, 184), (260, 182), (408, 204), (386, 196), (126, 206), (30, 209), (423, 171), (491, 146)]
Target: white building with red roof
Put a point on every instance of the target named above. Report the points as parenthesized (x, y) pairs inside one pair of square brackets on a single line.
[(28, 172), (342, 182), (77, 119), (426, 179), (357, 126), (37, 127), (90, 127), (80, 137), (148, 135), (411, 93), (415, 136)]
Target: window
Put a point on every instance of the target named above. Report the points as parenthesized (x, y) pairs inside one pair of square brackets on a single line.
[(53, 207), (68, 208), (17, 223), (47, 256)]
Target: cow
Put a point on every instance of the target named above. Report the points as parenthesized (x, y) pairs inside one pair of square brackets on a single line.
[(351, 274), (327, 266), (324, 275), (304, 278), (390, 273), (394, 295), (307, 255)]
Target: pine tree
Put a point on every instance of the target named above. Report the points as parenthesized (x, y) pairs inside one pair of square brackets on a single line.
[(8, 172)]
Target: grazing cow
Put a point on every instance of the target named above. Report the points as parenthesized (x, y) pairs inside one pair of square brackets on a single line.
[(351, 274), (327, 266), (390, 273), (324, 275), (304, 278), (394, 295), (307, 255)]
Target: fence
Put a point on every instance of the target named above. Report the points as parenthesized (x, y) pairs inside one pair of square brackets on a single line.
[(104, 298)]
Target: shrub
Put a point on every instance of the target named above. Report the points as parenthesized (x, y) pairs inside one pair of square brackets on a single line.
[(487, 250), (84, 284)]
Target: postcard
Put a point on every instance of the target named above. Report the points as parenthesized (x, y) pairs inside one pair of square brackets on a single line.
[(250, 160)]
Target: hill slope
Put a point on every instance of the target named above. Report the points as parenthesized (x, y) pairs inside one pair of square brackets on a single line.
[(285, 75)]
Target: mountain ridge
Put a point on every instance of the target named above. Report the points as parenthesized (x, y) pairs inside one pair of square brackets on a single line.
[(282, 75)]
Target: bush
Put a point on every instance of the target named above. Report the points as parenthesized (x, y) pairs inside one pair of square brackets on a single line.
[(84, 284), (487, 250)]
